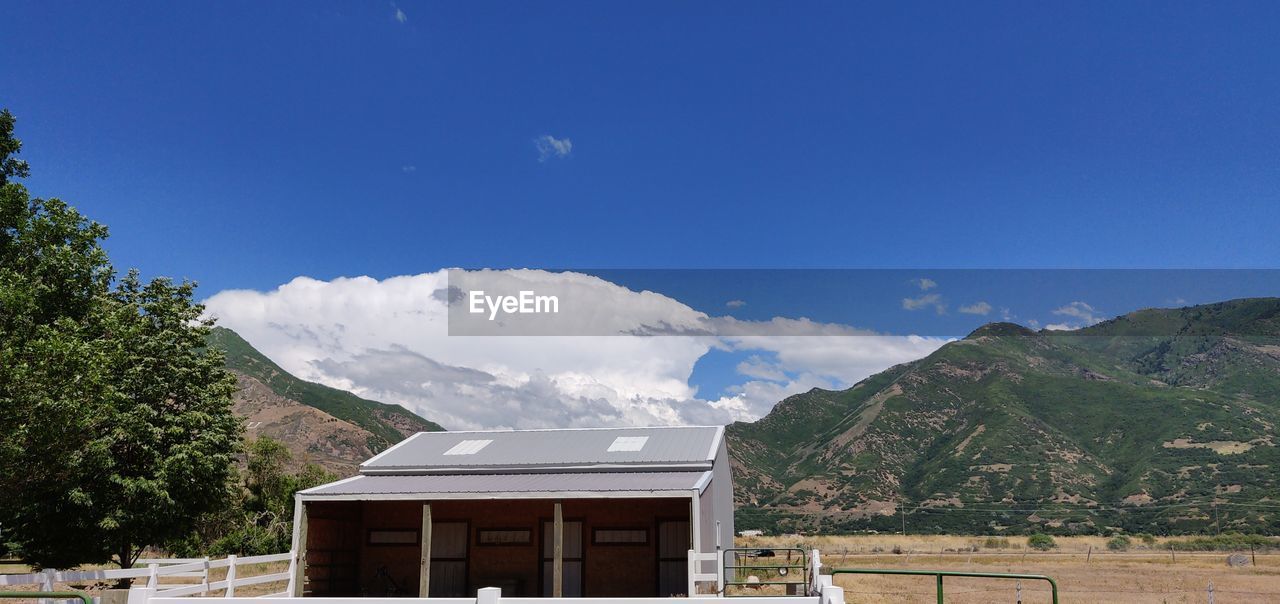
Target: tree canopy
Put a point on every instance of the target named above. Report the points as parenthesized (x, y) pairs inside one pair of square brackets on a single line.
[(118, 425)]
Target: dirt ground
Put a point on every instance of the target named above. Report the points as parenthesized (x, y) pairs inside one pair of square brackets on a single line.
[(1085, 570)]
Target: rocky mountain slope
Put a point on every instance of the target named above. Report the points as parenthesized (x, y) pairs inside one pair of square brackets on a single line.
[(1160, 420), (319, 424)]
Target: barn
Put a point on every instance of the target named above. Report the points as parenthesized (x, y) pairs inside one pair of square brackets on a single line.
[(610, 512)]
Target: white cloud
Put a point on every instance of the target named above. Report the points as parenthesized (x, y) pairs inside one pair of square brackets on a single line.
[(550, 146), (977, 308), (759, 368), (735, 303), (1081, 313), (925, 284), (925, 301), (408, 169), (399, 14), (388, 340)]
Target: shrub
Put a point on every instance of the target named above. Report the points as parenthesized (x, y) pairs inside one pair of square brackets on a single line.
[(1119, 543), (1225, 542), (995, 543), (1147, 539), (1041, 542)]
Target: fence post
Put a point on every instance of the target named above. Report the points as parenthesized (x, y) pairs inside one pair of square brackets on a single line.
[(1088, 556), (720, 571), (141, 595), (231, 577), (205, 573), (153, 575), (1210, 591), (293, 576), (1018, 592), (941, 599), (693, 569), (815, 564), (489, 595), (46, 583)]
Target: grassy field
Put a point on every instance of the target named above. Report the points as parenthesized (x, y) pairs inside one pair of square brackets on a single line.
[(1085, 570)]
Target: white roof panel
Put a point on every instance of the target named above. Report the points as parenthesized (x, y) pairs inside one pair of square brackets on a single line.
[(666, 448)]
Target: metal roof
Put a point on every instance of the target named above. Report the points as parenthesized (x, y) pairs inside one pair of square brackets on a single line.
[(513, 486), (603, 449)]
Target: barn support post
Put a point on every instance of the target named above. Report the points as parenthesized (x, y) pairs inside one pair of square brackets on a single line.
[(424, 564), (299, 561), (695, 524), (557, 565)]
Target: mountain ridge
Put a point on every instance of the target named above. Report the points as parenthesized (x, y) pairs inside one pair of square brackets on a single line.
[(319, 424), (1099, 427)]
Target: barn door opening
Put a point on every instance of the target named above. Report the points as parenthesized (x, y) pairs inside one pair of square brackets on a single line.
[(572, 558), (448, 560), (674, 542)]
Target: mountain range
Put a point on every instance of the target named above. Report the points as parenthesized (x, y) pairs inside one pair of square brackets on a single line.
[(1161, 420)]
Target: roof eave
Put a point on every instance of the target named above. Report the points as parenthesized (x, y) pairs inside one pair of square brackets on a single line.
[(538, 469), (641, 494)]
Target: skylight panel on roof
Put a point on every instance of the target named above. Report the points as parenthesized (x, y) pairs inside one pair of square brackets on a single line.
[(628, 443), (468, 447)]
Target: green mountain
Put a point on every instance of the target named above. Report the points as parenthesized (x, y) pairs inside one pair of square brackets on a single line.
[(385, 424), (1161, 420)]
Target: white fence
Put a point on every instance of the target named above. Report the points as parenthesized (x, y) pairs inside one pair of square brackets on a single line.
[(493, 595), (153, 591), (166, 568)]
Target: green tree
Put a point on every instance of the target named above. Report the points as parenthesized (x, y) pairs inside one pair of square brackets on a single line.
[(268, 482), (1041, 542), (118, 424), (261, 522)]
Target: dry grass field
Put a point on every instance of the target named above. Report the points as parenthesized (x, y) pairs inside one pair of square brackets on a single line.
[(1085, 570)]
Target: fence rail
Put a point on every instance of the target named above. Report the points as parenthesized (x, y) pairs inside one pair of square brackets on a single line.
[(158, 568), (939, 574)]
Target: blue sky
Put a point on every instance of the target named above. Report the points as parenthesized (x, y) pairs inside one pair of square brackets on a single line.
[(243, 144)]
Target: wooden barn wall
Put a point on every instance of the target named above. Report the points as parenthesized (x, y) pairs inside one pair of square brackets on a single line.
[(609, 569)]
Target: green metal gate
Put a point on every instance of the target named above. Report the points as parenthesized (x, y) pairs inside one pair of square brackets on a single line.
[(52, 595), (788, 573), (939, 574)]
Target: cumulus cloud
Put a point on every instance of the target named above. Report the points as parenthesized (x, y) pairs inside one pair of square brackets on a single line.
[(925, 284), (388, 340), (933, 301), (552, 147), (1080, 314), (977, 308)]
